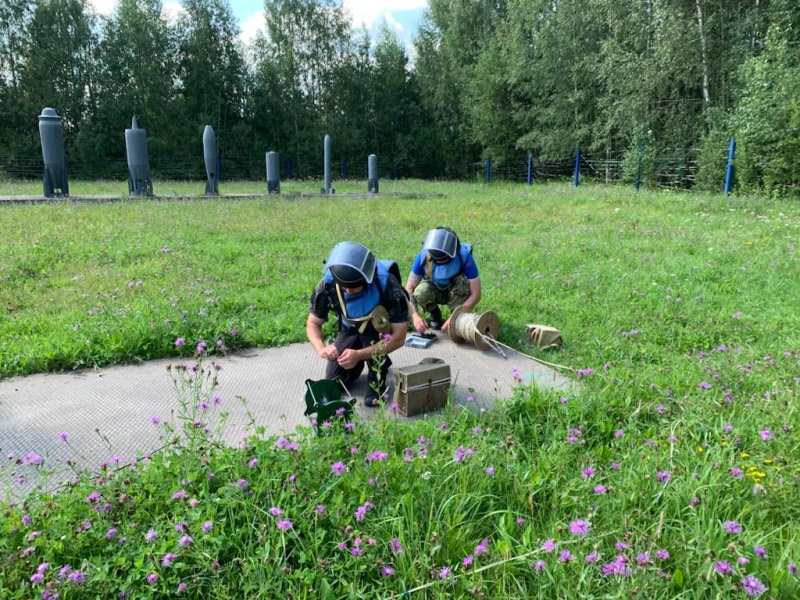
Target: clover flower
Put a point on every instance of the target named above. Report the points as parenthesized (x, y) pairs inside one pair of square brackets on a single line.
[(723, 567), (732, 527), (565, 556), (168, 558), (482, 547), (285, 524), (77, 577), (752, 586), (579, 527)]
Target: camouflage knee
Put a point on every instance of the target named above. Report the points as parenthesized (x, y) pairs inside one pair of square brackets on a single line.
[(425, 295), (459, 291)]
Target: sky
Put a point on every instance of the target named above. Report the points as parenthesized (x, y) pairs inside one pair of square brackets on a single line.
[(403, 15)]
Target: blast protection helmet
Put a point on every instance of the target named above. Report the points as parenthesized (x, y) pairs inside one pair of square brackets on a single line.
[(351, 264), (441, 243)]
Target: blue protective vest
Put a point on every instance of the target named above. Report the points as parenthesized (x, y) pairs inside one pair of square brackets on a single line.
[(360, 306), (441, 274)]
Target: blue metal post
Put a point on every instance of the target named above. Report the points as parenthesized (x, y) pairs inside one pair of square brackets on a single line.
[(577, 166), (288, 169), (530, 167), (729, 170), (488, 170)]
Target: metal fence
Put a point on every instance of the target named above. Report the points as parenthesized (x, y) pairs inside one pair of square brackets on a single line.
[(677, 171)]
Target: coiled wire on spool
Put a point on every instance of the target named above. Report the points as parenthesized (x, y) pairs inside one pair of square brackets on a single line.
[(480, 329)]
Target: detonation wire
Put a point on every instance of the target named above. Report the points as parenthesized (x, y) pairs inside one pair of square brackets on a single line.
[(467, 327), (407, 593), (549, 364)]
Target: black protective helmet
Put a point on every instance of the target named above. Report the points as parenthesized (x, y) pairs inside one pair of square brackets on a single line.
[(351, 264), (441, 243)]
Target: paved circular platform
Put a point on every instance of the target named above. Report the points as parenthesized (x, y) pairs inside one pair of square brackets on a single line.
[(107, 413)]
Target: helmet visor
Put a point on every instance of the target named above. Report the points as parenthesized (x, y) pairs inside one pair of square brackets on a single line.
[(351, 264), (440, 244)]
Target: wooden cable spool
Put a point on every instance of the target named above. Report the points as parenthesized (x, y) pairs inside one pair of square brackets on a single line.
[(474, 327)]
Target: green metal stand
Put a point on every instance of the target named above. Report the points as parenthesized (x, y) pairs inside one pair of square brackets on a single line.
[(324, 397)]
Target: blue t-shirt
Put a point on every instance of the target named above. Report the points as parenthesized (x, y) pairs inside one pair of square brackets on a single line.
[(470, 267)]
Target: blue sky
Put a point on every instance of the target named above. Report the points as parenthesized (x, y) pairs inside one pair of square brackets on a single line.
[(403, 15)]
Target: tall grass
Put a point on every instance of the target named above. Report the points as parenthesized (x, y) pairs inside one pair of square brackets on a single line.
[(672, 475)]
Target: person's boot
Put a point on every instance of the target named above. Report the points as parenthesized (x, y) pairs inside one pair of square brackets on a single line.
[(374, 397), (436, 321)]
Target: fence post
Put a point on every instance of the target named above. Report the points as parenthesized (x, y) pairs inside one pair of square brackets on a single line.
[(344, 169), (577, 179), (488, 170), (729, 170), (394, 172), (530, 167), (288, 169), (444, 170), (638, 177)]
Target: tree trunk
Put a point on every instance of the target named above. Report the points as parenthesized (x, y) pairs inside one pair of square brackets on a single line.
[(703, 51)]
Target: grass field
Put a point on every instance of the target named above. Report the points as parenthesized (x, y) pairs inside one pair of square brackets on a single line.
[(674, 474)]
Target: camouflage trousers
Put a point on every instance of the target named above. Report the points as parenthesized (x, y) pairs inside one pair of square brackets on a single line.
[(429, 297)]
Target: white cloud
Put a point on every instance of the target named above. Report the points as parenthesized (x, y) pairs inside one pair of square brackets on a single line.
[(368, 11), (103, 7), (170, 10), (393, 23), (363, 12), (251, 25)]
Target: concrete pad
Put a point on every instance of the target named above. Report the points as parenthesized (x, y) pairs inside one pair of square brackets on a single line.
[(107, 412)]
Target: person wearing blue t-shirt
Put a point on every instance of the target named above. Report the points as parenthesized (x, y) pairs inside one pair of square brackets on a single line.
[(443, 273)]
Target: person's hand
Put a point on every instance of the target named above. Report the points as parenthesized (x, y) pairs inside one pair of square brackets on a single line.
[(329, 352), (446, 324), (348, 359), (420, 324)]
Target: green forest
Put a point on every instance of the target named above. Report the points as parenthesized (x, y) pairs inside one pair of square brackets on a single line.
[(656, 87)]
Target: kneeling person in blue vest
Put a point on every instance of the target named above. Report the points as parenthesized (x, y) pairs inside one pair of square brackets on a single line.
[(367, 297), (443, 273)]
